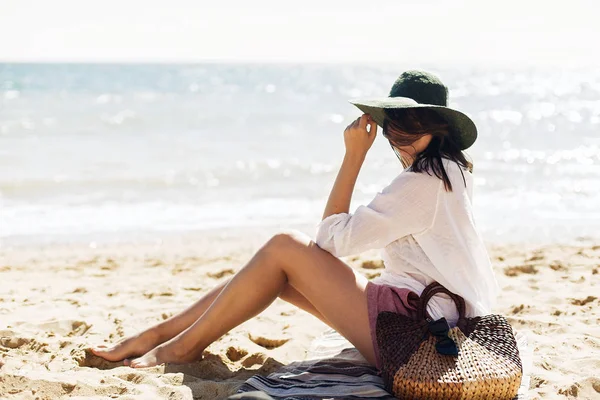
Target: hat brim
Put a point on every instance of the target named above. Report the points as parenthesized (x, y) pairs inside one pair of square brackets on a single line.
[(462, 128)]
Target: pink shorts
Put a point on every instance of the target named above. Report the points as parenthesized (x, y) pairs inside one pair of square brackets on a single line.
[(382, 297)]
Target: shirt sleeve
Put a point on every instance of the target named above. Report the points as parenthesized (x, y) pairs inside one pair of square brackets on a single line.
[(406, 206)]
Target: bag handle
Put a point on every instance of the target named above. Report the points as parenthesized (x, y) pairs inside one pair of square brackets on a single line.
[(433, 289)]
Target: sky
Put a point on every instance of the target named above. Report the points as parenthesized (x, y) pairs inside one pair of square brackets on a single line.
[(376, 31)]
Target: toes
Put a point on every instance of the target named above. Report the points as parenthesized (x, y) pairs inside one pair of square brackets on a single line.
[(135, 363), (138, 364), (148, 360)]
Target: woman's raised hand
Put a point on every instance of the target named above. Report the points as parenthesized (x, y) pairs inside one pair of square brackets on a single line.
[(357, 138)]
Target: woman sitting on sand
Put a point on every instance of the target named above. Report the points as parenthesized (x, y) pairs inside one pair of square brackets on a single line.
[(422, 220)]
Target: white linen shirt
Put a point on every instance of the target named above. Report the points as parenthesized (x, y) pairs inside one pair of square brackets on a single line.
[(426, 234)]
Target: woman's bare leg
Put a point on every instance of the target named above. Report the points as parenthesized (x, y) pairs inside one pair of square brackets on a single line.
[(331, 286), (145, 341)]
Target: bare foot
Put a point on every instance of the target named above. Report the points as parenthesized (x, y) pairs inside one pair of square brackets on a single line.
[(172, 351), (133, 346)]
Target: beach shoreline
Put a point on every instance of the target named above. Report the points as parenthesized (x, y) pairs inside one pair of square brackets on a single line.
[(55, 300)]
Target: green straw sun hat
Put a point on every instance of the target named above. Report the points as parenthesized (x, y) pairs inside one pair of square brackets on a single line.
[(420, 89)]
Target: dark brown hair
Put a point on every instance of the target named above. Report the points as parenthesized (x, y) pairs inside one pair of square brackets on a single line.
[(403, 126)]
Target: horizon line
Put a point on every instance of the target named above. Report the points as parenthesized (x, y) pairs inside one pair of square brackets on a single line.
[(216, 61)]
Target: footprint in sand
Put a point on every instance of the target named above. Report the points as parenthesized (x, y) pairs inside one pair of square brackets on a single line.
[(79, 328), (370, 264), (520, 269), (236, 353), (268, 343), (587, 388), (254, 359), (220, 274), (557, 266), (371, 275), (583, 302), (13, 342), (67, 387), (518, 309)]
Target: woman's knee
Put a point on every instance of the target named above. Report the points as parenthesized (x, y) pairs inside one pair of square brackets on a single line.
[(285, 240)]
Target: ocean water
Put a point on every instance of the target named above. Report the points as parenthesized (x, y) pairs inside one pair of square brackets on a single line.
[(126, 150)]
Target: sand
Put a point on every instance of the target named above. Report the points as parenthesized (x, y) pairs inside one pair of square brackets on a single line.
[(57, 300)]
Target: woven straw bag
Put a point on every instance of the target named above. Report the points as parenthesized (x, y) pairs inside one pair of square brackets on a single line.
[(424, 359)]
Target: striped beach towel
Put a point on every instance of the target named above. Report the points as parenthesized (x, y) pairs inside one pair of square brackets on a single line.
[(334, 369)]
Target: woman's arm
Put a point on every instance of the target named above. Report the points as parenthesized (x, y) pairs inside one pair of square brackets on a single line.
[(341, 193), (358, 141)]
